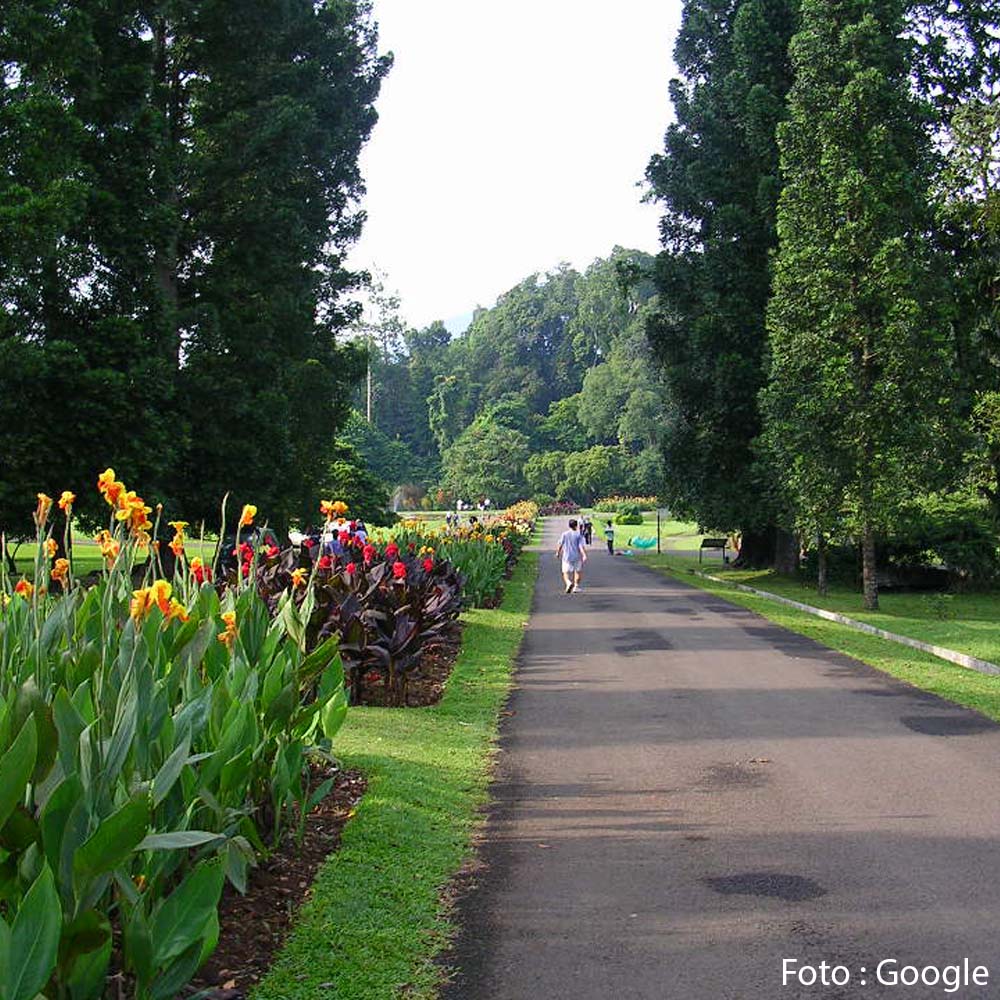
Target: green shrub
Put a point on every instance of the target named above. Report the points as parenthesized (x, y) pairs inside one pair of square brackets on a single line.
[(629, 514)]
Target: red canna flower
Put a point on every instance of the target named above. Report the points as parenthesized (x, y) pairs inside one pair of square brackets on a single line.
[(350, 568), (273, 552), (399, 570), (391, 550), (325, 562), (411, 547), (345, 537), (428, 565), (369, 552), (309, 542)]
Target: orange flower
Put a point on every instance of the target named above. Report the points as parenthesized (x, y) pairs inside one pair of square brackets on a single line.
[(66, 501), (51, 547), (177, 610), (111, 489), (299, 577), (229, 636), (249, 513), (109, 545), (60, 572), (326, 507), (177, 545), (42, 510), (24, 588), (160, 591), (142, 603), (178, 526)]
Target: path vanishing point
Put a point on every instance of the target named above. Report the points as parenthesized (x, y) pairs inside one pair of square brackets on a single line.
[(688, 796)]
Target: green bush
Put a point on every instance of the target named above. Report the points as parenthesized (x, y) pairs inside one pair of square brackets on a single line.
[(628, 514), (953, 531)]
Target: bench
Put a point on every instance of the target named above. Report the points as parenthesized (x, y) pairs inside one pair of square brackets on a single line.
[(713, 543)]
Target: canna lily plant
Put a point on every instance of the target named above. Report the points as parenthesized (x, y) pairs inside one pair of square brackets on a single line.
[(154, 741)]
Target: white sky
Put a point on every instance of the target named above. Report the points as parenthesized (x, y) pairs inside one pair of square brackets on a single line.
[(511, 137)]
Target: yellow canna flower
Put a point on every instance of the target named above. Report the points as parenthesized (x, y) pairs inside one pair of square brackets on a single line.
[(249, 513), (51, 547), (142, 603), (42, 510), (228, 637), (24, 588), (60, 571), (66, 501), (160, 592), (299, 577), (178, 526), (177, 610)]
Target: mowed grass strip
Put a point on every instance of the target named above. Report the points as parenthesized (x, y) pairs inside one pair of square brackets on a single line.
[(374, 922), (957, 684)]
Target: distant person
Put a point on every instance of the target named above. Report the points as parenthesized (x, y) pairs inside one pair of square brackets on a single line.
[(588, 531), (609, 537), (572, 550)]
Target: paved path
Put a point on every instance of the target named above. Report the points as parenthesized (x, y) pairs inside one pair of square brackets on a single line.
[(688, 795)]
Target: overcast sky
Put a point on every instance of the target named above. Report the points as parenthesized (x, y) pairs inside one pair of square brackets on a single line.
[(511, 137)]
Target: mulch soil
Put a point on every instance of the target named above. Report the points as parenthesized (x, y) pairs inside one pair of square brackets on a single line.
[(254, 926)]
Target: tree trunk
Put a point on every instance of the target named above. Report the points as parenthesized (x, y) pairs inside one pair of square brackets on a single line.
[(868, 568), (786, 552), (821, 581), (756, 550)]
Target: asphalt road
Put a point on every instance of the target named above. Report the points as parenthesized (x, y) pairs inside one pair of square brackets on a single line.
[(688, 795)]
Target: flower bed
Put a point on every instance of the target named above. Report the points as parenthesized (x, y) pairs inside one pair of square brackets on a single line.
[(559, 508), (153, 742), (615, 504)]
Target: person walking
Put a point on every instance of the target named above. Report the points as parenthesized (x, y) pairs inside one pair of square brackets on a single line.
[(609, 537), (572, 550)]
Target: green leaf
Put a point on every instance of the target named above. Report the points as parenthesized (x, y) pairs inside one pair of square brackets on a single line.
[(4, 958), (20, 831), (87, 933), (88, 973), (114, 840), (171, 770), (333, 714), (177, 840), (16, 766), (184, 915), (69, 725), (34, 939)]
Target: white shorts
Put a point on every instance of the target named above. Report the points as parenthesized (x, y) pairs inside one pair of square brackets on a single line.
[(569, 566)]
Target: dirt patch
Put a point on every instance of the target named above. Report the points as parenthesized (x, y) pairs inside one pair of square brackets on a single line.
[(254, 926)]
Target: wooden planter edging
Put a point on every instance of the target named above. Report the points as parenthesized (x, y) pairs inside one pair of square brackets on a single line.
[(951, 655)]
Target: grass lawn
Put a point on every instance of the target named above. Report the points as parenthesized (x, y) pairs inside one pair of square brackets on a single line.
[(675, 536), (87, 556), (374, 921), (974, 628)]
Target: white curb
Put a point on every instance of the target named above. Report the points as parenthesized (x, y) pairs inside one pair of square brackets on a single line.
[(962, 659)]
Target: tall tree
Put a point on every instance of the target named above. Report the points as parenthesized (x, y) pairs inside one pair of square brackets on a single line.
[(177, 180), (858, 388), (717, 180)]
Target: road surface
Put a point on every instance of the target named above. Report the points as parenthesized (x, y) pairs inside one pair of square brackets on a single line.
[(694, 803)]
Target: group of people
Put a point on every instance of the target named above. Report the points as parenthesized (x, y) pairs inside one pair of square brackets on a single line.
[(572, 549)]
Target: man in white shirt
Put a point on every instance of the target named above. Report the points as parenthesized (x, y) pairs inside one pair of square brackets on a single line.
[(573, 552)]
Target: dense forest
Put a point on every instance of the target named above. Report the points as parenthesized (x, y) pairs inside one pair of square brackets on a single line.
[(551, 393)]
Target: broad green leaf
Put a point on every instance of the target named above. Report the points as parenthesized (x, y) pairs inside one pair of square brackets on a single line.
[(333, 714), (114, 840), (171, 770), (87, 933), (34, 939), (177, 840), (183, 916), (69, 725), (4, 957), (86, 978), (20, 831), (16, 766), (180, 970), (139, 945)]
